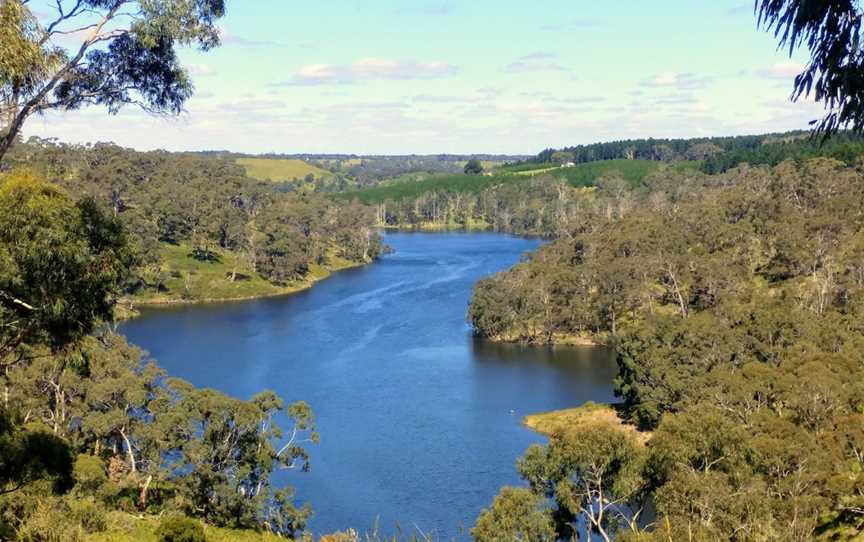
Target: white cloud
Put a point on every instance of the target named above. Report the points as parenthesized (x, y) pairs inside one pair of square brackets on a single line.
[(369, 69), (535, 62), (680, 81), (782, 70), (200, 70)]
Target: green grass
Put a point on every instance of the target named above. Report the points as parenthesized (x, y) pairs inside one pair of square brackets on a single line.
[(276, 169), (632, 171), (191, 280), (582, 175), (439, 183), (526, 167)]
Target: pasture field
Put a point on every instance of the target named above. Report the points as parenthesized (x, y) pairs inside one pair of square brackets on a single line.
[(279, 169), (582, 175)]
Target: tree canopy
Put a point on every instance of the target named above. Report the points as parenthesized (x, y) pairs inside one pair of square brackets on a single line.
[(834, 75), (734, 302), (124, 53), (62, 264)]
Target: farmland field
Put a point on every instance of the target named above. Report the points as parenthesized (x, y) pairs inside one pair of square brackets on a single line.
[(278, 169)]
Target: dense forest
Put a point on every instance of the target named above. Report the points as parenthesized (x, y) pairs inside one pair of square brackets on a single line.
[(505, 200), (200, 226), (89, 425), (716, 154), (735, 304)]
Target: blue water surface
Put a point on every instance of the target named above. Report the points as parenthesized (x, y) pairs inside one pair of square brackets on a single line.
[(419, 422)]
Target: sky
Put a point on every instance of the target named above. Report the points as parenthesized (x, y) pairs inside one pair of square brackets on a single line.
[(465, 76)]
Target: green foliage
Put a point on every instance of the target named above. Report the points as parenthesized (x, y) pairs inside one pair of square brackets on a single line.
[(712, 155), (414, 189), (49, 522), (180, 529), (473, 167), (208, 206), (63, 263), (142, 442), (735, 304), (31, 455), (88, 514), (831, 32), (593, 474), (24, 62), (127, 56), (842, 146), (632, 171), (90, 475), (516, 514)]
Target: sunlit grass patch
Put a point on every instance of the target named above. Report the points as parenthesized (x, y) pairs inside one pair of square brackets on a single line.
[(278, 169), (572, 419)]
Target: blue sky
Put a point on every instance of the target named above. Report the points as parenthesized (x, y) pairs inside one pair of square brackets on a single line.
[(466, 76)]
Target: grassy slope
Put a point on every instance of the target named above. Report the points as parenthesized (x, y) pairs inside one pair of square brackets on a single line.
[(210, 281), (590, 413), (585, 174), (275, 169), (632, 171), (438, 183)]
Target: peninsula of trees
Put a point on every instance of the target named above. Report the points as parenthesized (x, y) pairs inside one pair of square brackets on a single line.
[(735, 304)]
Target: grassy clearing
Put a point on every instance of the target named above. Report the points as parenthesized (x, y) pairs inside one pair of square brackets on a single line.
[(190, 280), (538, 171), (632, 171), (588, 414), (276, 169)]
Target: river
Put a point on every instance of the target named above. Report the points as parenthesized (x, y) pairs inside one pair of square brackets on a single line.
[(419, 422)]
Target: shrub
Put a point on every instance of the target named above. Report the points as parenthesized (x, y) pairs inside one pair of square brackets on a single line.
[(89, 474), (48, 523), (87, 514), (180, 529)]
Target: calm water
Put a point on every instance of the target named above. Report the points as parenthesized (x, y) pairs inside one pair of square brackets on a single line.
[(419, 422)]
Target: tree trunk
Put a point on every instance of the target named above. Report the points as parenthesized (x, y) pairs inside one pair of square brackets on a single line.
[(129, 452), (142, 497)]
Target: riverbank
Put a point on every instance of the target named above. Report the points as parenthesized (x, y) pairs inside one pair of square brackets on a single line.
[(385, 343), (557, 339), (471, 226), (221, 279), (575, 419)]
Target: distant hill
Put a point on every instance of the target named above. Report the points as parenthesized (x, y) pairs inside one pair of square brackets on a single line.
[(714, 154), (581, 175)]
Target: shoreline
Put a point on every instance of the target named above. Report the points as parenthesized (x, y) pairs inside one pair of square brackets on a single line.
[(431, 227), (131, 304), (587, 415), (588, 341)]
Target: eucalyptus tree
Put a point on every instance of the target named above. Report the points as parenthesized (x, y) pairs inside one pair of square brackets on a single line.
[(834, 74), (61, 265), (110, 53)]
